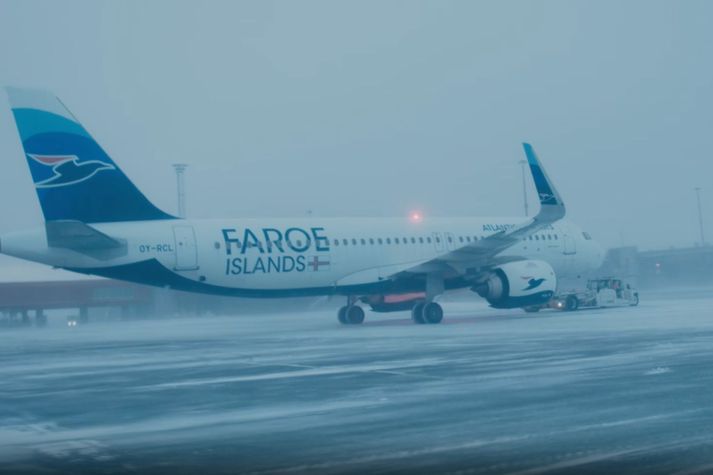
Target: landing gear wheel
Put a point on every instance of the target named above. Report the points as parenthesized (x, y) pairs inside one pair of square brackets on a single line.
[(342, 315), (351, 315), (432, 313), (417, 313), (354, 315), (571, 304)]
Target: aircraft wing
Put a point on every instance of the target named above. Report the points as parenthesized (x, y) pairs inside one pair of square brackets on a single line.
[(484, 253)]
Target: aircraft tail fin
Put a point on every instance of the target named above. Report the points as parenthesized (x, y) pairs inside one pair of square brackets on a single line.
[(74, 178)]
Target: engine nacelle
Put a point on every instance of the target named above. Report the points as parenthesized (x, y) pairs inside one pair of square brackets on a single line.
[(519, 284)]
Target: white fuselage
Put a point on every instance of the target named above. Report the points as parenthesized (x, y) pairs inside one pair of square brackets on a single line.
[(280, 257)]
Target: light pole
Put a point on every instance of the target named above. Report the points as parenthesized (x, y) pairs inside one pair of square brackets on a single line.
[(700, 215), (524, 184), (181, 188)]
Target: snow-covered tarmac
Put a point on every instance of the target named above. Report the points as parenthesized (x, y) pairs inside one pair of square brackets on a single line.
[(602, 391)]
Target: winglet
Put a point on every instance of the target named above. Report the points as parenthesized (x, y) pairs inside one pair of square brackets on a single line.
[(551, 205)]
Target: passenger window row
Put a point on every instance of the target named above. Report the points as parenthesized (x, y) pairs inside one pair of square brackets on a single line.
[(403, 240), (377, 241), (408, 240), (541, 237)]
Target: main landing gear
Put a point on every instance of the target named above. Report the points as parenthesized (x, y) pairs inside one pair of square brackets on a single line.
[(351, 314), (427, 313), (421, 313)]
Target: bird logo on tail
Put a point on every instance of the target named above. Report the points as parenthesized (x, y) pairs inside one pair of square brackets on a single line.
[(68, 170)]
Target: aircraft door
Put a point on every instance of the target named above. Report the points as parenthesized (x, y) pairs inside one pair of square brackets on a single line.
[(569, 245), (186, 249)]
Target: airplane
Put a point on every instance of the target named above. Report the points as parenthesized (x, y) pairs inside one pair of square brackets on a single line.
[(98, 222)]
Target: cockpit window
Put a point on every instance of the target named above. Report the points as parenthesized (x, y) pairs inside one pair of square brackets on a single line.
[(586, 235)]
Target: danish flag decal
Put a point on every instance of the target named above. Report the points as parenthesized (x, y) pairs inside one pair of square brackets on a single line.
[(68, 170)]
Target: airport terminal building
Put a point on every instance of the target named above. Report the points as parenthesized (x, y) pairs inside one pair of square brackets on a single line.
[(673, 267), (75, 297)]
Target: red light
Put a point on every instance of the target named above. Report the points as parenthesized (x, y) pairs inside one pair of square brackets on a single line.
[(416, 217)]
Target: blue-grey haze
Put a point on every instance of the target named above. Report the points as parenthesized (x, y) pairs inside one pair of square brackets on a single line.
[(380, 107)]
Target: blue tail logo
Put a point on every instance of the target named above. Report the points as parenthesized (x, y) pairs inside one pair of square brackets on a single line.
[(68, 170), (74, 177)]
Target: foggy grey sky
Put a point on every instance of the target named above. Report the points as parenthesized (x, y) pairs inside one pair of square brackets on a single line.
[(376, 108)]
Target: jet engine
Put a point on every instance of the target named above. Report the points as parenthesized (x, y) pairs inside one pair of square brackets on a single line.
[(518, 284)]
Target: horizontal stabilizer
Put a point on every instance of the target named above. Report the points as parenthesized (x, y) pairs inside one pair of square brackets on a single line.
[(78, 236)]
